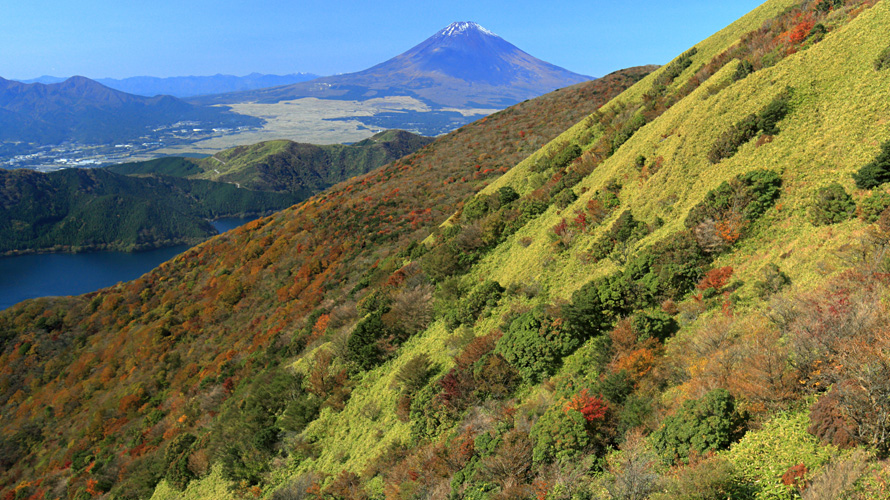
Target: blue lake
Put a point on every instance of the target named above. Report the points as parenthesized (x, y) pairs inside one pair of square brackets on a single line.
[(41, 275)]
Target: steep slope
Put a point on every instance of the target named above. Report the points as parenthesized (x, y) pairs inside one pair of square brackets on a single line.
[(681, 276), (684, 302), (464, 65), (128, 370), (80, 109), (91, 209)]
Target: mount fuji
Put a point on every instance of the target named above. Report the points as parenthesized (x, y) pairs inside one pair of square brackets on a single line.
[(464, 66)]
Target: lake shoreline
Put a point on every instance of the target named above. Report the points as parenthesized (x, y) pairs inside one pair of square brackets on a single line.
[(135, 248), (106, 248), (60, 274)]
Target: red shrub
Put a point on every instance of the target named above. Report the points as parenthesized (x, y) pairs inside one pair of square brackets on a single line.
[(561, 228), (715, 278), (580, 220), (592, 407), (828, 423), (794, 476), (799, 33)]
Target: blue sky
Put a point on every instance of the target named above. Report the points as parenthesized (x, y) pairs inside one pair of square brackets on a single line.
[(101, 38)]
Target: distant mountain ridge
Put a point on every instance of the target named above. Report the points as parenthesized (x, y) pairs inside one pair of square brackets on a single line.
[(45, 79), (463, 65), (189, 86), (80, 109)]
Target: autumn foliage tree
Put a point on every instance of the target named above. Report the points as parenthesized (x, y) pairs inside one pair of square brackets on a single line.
[(593, 408), (715, 279)]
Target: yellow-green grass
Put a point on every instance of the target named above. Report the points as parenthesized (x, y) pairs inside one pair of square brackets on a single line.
[(839, 118), (706, 50), (352, 438), (211, 487), (824, 139)]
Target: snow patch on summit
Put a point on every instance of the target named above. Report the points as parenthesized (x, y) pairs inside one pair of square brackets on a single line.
[(455, 29)]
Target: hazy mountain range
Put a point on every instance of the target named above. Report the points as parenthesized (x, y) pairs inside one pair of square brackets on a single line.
[(189, 86), (80, 109)]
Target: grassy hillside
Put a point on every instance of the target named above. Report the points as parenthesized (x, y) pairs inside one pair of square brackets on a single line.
[(297, 167), (664, 286), (685, 328), (680, 294), (96, 390), (82, 210), (175, 166)]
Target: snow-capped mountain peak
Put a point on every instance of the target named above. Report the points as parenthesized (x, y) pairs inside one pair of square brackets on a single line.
[(463, 65), (455, 29)]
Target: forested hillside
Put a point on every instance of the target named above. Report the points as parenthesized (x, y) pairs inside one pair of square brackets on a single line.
[(292, 166), (168, 201), (109, 393), (287, 166), (92, 209)]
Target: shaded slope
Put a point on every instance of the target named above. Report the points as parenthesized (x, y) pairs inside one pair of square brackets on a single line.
[(232, 307), (298, 167), (92, 209)]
